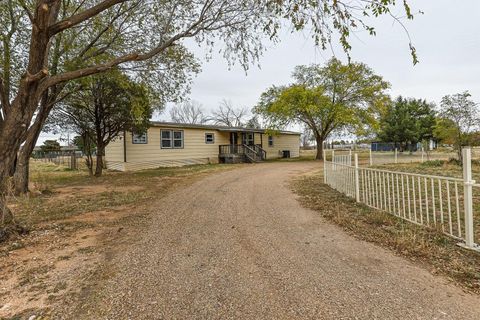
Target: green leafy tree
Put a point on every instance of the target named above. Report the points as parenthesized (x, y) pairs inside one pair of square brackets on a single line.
[(101, 109), (334, 98), (168, 74), (139, 35), (50, 146), (407, 121), (459, 117)]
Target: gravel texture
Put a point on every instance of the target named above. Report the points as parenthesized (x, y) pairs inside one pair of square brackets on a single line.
[(237, 245)]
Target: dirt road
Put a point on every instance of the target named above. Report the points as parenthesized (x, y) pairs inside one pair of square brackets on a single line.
[(237, 245)]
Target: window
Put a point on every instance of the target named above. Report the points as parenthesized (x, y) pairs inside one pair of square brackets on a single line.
[(139, 138), (270, 141), (166, 138), (178, 139), (209, 138), (171, 139)]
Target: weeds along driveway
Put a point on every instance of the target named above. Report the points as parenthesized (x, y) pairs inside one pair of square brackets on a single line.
[(237, 245)]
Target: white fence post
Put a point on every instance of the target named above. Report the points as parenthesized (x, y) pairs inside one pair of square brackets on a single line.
[(333, 160), (371, 160), (357, 181), (396, 155), (468, 196), (324, 166), (422, 155)]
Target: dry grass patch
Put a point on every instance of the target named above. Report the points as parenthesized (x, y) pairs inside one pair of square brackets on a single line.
[(76, 224), (429, 247)]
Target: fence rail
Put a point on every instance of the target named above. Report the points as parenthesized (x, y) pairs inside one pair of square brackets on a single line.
[(74, 160), (370, 157), (444, 203)]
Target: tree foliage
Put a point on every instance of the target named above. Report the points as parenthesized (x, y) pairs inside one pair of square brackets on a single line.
[(333, 98), (407, 122), (102, 108), (46, 44), (50, 146), (459, 116)]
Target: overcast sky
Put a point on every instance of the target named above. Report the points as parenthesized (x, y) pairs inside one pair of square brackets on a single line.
[(446, 37)]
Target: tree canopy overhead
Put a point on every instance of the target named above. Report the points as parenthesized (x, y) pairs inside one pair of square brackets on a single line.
[(328, 99)]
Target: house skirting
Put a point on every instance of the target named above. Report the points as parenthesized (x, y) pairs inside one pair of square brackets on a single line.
[(153, 164)]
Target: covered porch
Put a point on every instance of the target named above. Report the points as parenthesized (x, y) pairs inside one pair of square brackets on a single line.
[(246, 145)]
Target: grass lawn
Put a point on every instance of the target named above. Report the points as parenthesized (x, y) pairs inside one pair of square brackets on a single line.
[(448, 169), (436, 251), (59, 193), (435, 167)]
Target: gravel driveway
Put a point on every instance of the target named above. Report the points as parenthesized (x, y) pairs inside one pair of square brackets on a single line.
[(237, 245)]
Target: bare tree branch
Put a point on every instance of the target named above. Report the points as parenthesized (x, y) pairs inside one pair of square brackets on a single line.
[(189, 112), (227, 115)]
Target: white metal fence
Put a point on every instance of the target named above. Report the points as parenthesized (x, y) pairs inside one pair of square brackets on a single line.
[(444, 203), (379, 157)]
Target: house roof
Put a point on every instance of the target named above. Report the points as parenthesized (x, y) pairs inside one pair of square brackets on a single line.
[(214, 127)]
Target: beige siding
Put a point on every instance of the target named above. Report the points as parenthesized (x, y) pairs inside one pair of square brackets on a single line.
[(116, 165), (114, 150), (282, 142), (194, 151), (151, 155), (194, 146)]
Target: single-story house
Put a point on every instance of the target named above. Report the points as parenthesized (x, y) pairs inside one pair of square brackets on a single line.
[(175, 144)]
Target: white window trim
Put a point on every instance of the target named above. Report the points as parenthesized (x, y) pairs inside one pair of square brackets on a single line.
[(172, 139), (137, 142), (213, 138), (181, 139)]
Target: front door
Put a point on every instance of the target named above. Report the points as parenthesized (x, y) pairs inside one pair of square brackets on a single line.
[(248, 138)]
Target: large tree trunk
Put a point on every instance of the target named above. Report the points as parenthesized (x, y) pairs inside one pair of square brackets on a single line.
[(89, 162), (18, 114), (99, 166), (10, 139), (319, 139), (21, 175), (7, 222)]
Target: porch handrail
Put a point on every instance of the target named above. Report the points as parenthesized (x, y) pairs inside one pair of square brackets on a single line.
[(253, 152), (260, 151), (231, 149)]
